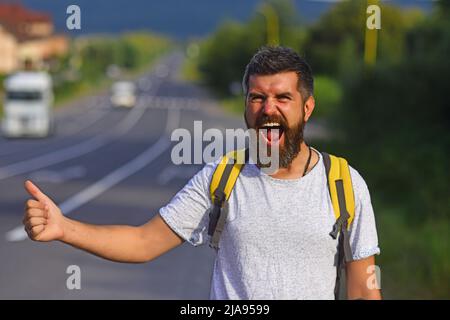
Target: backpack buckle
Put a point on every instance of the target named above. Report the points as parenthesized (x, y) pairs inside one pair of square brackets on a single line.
[(336, 227)]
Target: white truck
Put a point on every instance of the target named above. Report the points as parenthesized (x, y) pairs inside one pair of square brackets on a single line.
[(28, 104), (123, 94)]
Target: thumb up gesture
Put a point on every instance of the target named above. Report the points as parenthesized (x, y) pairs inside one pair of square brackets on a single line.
[(43, 219)]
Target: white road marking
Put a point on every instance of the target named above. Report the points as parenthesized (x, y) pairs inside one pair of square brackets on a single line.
[(66, 132), (164, 102), (60, 176), (173, 172), (115, 177), (85, 123)]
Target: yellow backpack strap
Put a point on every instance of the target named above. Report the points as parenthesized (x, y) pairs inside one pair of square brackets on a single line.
[(227, 172), (342, 198), (222, 183), (338, 169)]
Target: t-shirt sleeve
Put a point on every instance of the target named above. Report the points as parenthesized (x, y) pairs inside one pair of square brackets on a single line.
[(363, 232), (186, 214)]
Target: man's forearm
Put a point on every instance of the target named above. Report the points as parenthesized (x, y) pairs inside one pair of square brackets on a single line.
[(360, 280), (118, 243)]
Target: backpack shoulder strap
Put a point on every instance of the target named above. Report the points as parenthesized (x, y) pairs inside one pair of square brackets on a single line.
[(222, 183), (338, 172), (341, 193), (226, 173)]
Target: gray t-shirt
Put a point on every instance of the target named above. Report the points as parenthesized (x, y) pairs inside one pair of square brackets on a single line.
[(276, 242)]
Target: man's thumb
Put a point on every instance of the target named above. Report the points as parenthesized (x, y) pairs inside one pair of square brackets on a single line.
[(34, 191)]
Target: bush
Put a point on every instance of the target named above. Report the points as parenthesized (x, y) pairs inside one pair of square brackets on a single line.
[(328, 95)]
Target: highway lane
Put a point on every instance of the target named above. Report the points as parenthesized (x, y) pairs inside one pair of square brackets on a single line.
[(73, 119), (33, 270), (77, 122)]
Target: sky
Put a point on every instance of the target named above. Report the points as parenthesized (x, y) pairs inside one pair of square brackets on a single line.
[(178, 18)]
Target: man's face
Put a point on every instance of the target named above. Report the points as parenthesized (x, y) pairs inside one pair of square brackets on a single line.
[(274, 102)]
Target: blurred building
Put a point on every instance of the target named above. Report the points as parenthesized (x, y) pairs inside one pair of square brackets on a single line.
[(27, 38)]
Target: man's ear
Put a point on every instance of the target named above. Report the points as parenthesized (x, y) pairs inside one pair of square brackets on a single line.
[(309, 107)]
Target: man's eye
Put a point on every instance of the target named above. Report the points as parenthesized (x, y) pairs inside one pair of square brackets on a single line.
[(257, 99), (283, 99)]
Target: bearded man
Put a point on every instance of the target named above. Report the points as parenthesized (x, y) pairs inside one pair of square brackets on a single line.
[(276, 241)]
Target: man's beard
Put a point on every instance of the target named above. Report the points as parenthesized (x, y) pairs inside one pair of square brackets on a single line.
[(293, 138)]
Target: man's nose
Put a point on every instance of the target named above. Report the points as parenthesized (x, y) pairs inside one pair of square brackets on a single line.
[(269, 107)]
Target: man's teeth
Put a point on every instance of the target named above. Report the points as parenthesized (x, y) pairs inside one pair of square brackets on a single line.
[(271, 124)]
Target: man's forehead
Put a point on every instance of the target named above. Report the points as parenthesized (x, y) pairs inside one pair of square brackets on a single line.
[(284, 81)]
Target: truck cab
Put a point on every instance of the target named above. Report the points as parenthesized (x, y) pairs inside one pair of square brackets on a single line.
[(28, 105)]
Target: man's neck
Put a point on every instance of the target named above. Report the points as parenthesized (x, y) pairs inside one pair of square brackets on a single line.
[(297, 167)]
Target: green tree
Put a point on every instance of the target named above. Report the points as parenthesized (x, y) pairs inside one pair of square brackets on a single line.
[(343, 27), (397, 122), (224, 55)]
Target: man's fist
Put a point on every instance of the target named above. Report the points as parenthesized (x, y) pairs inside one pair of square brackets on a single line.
[(43, 219)]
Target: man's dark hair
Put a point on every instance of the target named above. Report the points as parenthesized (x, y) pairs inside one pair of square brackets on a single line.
[(273, 60)]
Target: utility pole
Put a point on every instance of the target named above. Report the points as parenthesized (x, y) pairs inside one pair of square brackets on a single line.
[(371, 36), (273, 32)]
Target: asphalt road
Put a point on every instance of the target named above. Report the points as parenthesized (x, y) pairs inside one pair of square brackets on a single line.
[(107, 166)]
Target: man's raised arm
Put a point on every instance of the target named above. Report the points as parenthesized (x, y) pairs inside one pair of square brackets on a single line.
[(44, 221)]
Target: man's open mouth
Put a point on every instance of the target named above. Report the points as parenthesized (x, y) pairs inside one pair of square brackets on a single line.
[(272, 132)]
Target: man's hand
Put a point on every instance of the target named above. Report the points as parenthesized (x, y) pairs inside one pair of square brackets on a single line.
[(43, 219)]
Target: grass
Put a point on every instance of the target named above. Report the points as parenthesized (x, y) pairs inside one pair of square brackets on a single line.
[(414, 258)]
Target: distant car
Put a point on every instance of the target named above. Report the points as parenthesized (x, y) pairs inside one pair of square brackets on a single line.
[(28, 105), (123, 94)]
